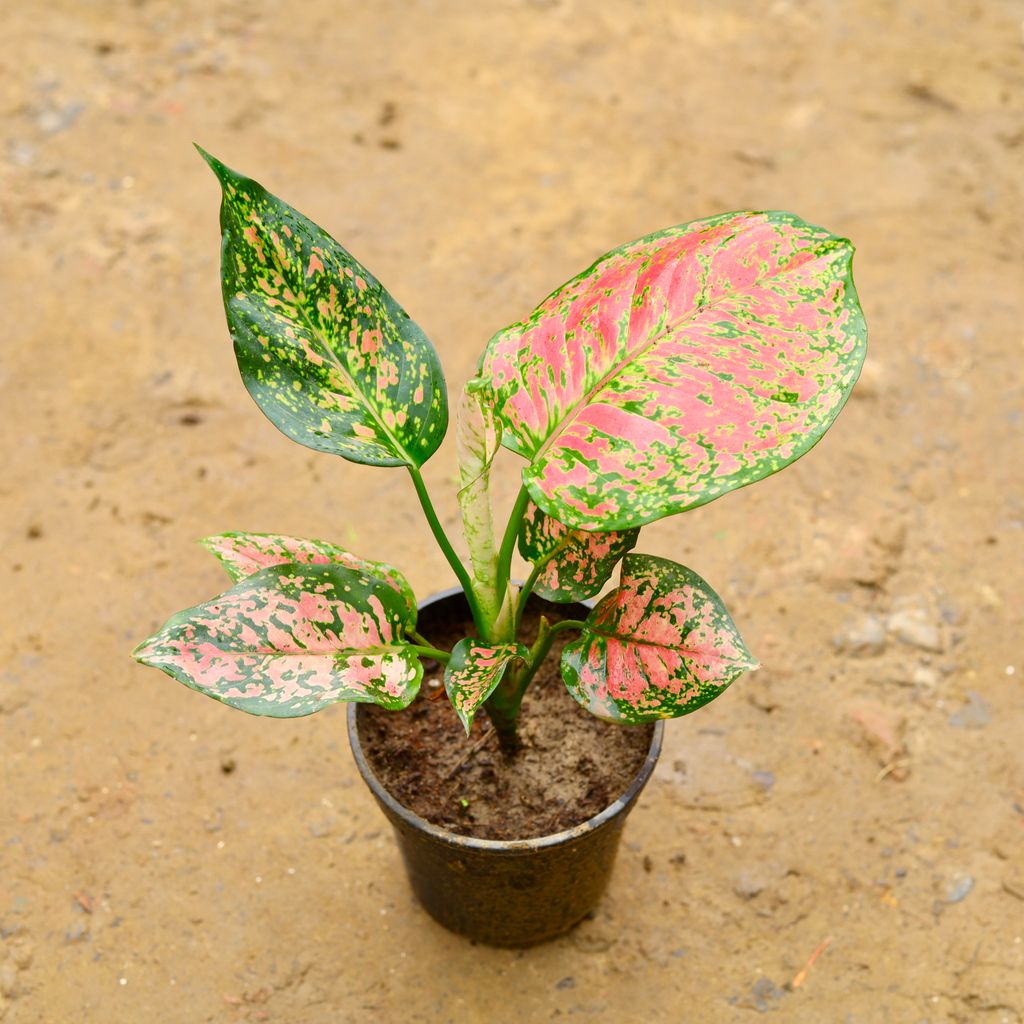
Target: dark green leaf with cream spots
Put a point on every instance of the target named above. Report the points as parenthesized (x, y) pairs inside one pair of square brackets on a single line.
[(326, 352)]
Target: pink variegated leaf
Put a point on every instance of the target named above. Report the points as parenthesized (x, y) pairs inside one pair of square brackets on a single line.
[(575, 563), (473, 672), (323, 348), (679, 367), (289, 640), (659, 646), (243, 554)]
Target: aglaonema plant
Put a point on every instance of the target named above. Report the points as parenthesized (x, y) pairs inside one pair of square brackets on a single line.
[(676, 368)]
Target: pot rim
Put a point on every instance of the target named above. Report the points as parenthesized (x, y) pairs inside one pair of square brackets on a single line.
[(616, 807)]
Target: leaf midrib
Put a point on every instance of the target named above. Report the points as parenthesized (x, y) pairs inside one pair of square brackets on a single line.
[(693, 652), (587, 397), (334, 652), (346, 376)]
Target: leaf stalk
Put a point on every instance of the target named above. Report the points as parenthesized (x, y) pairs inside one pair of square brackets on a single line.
[(447, 550), (508, 542), (425, 651)]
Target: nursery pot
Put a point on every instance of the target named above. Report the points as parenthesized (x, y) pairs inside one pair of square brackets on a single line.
[(506, 893)]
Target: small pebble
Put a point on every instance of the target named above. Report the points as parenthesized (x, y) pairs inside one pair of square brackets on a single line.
[(22, 154), (748, 885), (862, 637), (8, 979), (912, 623), (975, 714), (58, 120), (763, 994), (957, 887), (320, 829), (925, 677)]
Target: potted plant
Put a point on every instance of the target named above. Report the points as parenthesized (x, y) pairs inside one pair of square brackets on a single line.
[(676, 368)]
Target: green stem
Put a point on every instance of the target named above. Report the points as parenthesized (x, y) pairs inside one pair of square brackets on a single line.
[(524, 594), (508, 542), (425, 651), (567, 624), (505, 725), (538, 653), (445, 545), (418, 638), (503, 705)]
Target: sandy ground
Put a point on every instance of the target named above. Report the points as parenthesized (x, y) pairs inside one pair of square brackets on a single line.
[(860, 800)]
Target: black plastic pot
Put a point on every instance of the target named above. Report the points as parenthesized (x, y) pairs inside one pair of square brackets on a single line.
[(506, 893)]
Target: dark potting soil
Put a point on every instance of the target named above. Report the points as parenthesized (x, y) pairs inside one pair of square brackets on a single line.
[(570, 767)]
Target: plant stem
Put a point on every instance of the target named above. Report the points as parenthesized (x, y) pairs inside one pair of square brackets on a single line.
[(475, 460), (418, 638), (431, 652), (508, 542), (446, 547), (505, 724), (540, 651), (564, 624), (503, 705), (524, 594)]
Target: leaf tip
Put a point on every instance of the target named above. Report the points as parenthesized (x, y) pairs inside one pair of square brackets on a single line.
[(215, 545), (210, 159), (223, 172), (143, 652)]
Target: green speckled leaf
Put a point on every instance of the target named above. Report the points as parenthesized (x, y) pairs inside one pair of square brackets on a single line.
[(326, 352), (659, 646), (576, 563), (289, 640), (473, 672), (679, 367)]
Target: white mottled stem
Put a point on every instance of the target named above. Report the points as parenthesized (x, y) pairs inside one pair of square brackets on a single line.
[(477, 438)]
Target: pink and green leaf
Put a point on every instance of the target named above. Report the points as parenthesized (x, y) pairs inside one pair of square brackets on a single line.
[(324, 350), (659, 646), (575, 564), (679, 367), (473, 673), (243, 554), (289, 640)]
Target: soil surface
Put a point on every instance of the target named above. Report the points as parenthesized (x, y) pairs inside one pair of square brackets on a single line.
[(569, 767), (840, 836)]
